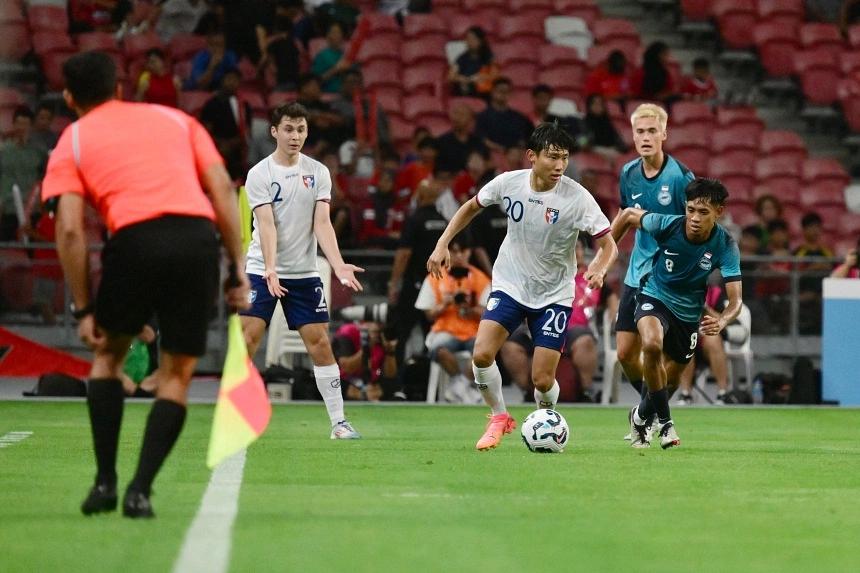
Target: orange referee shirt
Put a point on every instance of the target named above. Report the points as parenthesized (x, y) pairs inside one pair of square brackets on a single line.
[(134, 162)]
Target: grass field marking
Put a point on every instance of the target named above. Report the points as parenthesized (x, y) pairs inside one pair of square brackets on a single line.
[(208, 541), (12, 438)]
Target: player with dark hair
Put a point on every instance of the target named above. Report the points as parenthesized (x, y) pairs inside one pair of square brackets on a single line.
[(156, 179), (533, 273), (289, 194), (670, 303), (655, 182)]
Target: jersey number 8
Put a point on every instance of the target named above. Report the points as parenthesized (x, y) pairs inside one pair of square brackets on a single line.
[(670, 264)]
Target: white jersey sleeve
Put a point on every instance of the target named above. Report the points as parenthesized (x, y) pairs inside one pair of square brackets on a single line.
[(323, 187), (591, 219), (492, 192), (258, 186)]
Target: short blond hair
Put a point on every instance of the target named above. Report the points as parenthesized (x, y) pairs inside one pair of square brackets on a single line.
[(650, 110)]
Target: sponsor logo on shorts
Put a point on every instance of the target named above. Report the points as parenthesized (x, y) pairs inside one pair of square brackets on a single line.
[(492, 303), (308, 180), (551, 215), (664, 197), (647, 306), (252, 296)]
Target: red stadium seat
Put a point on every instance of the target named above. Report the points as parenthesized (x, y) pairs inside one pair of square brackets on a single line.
[(607, 29), (425, 79), (515, 52), (776, 44), (742, 213), (12, 12), (776, 170), (544, 7), (566, 79), (736, 20), (736, 115), (849, 225), (521, 27), (817, 35), (588, 10), (191, 102), (256, 100), (741, 136), (783, 143), (691, 113), (136, 45), (47, 42), (419, 25), (184, 46), (52, 68), (821, 196), (696, 10), (427, 48), (522, 75), (274, 100), (477, 105), (379, 48), (788, 191), (818, 74), (783, 12), (11, 98), (555, 55), (849, 62), (381, 73), (102, 41), (390, 99), (733, 173), (587, 161), (478, 5), (45, 17), (854, 36), (418, 107), (820, 169), (689, 145), (851, 110), (15, 41), (380, 22), (460, 25)]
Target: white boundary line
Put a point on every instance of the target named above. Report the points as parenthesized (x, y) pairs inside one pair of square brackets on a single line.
[(207, 543), (12, 438)]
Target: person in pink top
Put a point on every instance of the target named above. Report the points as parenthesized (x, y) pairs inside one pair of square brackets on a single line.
[(850, 269), (155, 177)]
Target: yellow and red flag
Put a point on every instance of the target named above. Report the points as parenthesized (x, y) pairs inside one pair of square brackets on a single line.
[(243, 410)]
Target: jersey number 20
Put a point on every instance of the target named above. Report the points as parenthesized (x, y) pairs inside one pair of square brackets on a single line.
[(513, 209)]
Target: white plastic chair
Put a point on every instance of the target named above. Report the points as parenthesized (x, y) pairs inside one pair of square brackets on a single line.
[(454, 49), (283, 345), (438, 379), (611, 365), (735, 351), (569, 31)]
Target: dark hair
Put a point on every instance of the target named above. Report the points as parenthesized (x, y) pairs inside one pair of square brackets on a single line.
[(542, 89), (616, 62), (752, 231), (654, 74), (427, 142), (23, 111), (482, 151), (292, 110), (156, 52), (90, 77), (47, 106), (711, 190), (547, 135), (463, 239), (701, 63), (759, 203), (305, 79), (809, 219), (484, 51), (502, 80), (777, 225)]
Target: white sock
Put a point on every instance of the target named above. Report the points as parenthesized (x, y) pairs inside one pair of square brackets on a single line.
[(636, 419), (547, 399), (489, 381), (328, 383)]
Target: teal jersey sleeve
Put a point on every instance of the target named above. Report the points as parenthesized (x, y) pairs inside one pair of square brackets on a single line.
[(730, 263), (655, 224)]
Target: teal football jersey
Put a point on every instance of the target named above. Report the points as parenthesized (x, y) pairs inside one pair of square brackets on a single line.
[(679, 276), (663, 193)]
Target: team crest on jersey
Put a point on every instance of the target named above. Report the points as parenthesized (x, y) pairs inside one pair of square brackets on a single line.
[(308, 180), (551, 215), (492, 303), (705, 262), (664, 198)]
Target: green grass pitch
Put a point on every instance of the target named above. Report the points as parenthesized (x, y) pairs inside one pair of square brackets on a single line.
[(748, 490)]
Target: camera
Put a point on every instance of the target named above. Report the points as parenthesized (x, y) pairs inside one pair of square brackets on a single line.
[(459, 272), (460, 298), (371, 312)]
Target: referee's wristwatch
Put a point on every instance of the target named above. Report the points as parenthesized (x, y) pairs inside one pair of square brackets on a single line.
[(78, 314)]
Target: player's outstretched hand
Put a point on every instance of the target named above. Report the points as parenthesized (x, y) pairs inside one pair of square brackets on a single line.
[(439, 259), (90, 334), (594, 278), (346, 275), (237, 290), (273, 283), (711, 325)]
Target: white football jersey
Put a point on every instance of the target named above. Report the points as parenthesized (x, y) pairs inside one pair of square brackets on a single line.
[(293, 193), (537, 260)]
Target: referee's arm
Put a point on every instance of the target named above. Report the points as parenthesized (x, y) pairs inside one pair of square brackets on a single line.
[(72, 247)]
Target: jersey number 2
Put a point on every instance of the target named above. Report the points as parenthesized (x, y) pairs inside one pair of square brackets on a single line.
[(276, 187)]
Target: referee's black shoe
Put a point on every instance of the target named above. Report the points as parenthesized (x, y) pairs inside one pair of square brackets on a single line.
[(102, 498), (136, 504)]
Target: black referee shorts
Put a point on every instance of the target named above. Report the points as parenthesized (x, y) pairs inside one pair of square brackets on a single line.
[(166, 267)]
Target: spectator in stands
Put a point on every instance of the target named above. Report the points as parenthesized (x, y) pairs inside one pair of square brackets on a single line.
[(515, 157), (456, 145), (412, 174), (809, 287), (829, 11), (97, 15), (341, 202), (454, 304), (382, 214), (22, 163), (850, 268), (654, 81), (750, 244), (241, 21), (279, 50), (850, 15), (363, 118), (600, 134), (325, 125), (156, 84), (421, 231), (768, 208), (215, 18), (778, 237), (418, 135), (344, 12), (43, 133), (228, 119), (489, 225), (367, 360), (211, 64), (477, 173), (542, 96), (179, 17), (500, 126), (612, 80), (475, 70), (443, 180), (329, 63), (701, 85)]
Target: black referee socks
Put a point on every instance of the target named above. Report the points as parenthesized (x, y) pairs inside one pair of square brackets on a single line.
[(162, 429), (105, 398)]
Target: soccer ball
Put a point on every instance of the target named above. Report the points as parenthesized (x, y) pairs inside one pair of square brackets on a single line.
[(545, 431)]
